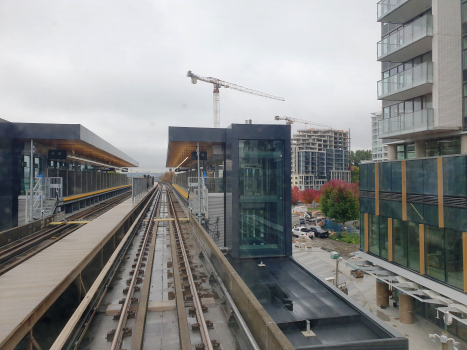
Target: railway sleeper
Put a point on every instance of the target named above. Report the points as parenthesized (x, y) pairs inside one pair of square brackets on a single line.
[(133, 300), (127, 289), (127, 331)]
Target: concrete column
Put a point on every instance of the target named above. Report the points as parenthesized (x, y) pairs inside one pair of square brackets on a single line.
[(405, 308), (392, 152), (420, 149), (382, 293), (464, 144)]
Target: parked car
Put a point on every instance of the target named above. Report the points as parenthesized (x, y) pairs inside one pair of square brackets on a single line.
[(319, 232), (302, 231)]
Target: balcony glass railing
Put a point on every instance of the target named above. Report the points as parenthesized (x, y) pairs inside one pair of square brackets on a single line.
[(406, 123), (417, 30), (410, 78), (387, 6)]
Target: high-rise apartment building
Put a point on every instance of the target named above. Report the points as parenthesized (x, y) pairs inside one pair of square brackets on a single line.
[(414, 206), (319, 155), (379, 151)]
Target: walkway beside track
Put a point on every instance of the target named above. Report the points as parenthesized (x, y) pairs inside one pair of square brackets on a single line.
[(30, 288)]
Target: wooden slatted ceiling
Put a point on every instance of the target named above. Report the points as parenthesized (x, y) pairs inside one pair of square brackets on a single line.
[(84, 150)]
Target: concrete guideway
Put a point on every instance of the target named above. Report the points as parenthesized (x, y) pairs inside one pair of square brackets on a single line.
[(28, 290)]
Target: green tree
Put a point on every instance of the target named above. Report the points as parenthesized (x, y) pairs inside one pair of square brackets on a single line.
[(356, 157), (355, 175), (339, 200)]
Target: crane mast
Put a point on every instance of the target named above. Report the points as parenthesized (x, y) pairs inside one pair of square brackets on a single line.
[(217, 84)]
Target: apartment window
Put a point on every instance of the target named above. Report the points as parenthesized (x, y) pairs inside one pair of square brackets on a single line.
[(400, 151)]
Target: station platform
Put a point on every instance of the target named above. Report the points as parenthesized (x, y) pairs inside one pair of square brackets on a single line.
[(181, 190), (29, 289)]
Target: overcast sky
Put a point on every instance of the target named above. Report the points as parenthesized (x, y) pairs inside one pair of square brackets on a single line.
[(119, 67)]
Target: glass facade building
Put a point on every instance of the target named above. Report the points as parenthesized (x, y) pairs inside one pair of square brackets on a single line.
[(414, 214), (256, 186)]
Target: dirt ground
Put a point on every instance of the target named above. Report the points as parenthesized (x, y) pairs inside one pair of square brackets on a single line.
[(344, 249)]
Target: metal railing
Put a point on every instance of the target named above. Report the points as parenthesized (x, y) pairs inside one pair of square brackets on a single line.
[(387, 6), (406, 123), (46, 194), (140, 186), (213, 184), (416, 30), (418, 75)]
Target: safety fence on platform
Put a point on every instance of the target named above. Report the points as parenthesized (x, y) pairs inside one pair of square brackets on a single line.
[(140, 186)]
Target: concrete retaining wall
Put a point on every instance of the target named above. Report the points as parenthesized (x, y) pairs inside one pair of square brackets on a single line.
[(265, 331)]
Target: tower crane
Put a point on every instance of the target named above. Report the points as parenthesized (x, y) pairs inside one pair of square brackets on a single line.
[(290, 121), (217, 84)]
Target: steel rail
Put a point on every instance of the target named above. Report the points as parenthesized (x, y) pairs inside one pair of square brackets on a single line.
[(197, 303), (237, 313), (76, 327), (117, 340)]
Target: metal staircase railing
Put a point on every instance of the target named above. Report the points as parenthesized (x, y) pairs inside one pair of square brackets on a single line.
[(46, 195)]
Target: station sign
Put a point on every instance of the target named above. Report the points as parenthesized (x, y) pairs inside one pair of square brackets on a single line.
[(202, 156), (57, 154)]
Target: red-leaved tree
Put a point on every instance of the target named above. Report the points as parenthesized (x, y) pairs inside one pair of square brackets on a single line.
[(340, 200), (295, 195), (309, 196)]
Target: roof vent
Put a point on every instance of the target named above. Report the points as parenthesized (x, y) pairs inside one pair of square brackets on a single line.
[(248, 121)]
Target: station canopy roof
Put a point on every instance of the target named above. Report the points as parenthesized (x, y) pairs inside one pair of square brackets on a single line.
[(79, 142), (184, 140)]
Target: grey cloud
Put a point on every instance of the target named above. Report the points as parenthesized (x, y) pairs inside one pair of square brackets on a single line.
[(119, 67)]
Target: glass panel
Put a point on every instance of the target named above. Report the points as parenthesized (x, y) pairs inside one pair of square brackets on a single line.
[(396, 210), (364, 205), (454, 176), (373, 225), (430, 214), (261, 217), (363, 176), (371, 177), (371, 206), (399, 239), (383, 237), (454, 258), (415, 176), (413, 238), (396, 183), (435, 253), (455, 218), (430, 178), (362, 230), (385, 175)]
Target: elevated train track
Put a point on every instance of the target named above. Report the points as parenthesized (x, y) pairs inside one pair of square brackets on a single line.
[(162, 259), (17, 252)]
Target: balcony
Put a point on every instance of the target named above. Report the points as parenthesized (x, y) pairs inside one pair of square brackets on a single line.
[(401, 125), (413, 40), (410, 83), (401, 11)]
